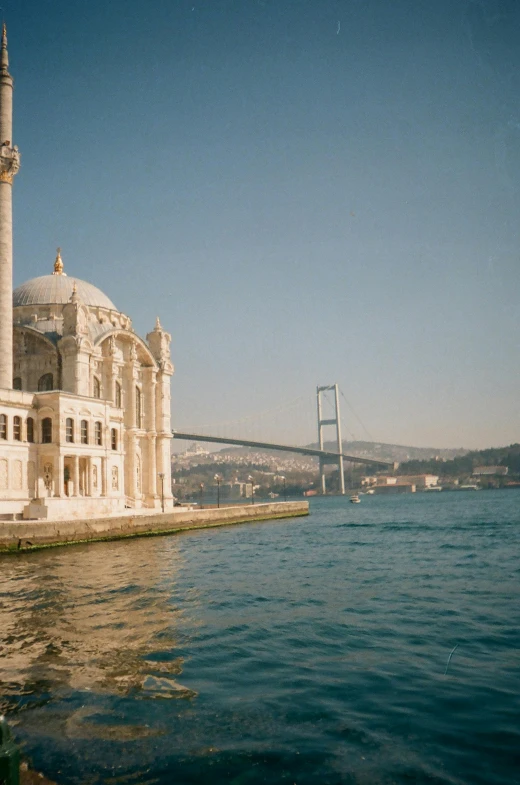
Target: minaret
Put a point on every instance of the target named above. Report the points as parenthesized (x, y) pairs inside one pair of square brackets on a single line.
[(9, 165)]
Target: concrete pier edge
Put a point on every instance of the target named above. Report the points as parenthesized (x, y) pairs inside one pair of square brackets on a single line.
[(23, 536)]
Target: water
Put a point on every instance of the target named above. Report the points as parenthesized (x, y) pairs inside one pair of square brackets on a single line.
[(303, 651)]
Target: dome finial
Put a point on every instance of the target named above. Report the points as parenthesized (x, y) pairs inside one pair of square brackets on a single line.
[(58, 263), (158, 325)]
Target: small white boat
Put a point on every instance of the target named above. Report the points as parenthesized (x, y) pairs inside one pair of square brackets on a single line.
[(355, 499)]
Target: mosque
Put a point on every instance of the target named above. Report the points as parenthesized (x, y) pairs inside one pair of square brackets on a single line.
[(84, 401)]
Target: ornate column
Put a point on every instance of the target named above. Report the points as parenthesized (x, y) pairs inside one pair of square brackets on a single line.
[(132, 379), (103, 478), (149, 389), (59, 489), (131, 442), (76, 475), (111, 369), (75, 346), (159, 342), (9, 165), (164, 433), (89, 477)]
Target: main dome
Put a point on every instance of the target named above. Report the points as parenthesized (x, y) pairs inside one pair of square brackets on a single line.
[(57, 289)]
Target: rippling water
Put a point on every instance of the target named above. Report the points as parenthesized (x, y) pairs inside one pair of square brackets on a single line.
[(304, 651)]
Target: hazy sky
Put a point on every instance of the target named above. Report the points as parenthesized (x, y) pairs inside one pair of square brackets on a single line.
[(305, 191)]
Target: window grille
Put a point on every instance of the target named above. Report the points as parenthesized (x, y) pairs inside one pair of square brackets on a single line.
[(138, 407), (45, 383), (47, 430)]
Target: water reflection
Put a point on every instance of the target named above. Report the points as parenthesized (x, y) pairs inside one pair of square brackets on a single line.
[(101, 619)]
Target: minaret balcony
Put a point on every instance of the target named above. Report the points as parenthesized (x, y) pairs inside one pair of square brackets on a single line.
[(9, 161)]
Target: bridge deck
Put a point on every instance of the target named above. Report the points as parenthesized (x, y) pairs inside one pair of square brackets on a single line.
[(324, 455)]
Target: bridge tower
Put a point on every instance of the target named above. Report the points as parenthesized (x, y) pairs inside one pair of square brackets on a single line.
[(331, 421)]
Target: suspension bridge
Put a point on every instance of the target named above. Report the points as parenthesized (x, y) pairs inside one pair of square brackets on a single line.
[(333, 419)]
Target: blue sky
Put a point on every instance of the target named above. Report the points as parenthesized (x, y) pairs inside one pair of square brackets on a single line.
[(305, 191)]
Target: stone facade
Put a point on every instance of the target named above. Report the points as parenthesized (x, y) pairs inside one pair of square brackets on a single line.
[(84, 401)]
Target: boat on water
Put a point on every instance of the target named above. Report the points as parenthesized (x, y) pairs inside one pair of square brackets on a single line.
[(355, 499)]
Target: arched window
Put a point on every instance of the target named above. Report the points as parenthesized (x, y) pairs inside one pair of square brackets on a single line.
[(30, 429), (47, 430), (113, 438), (3, 426), (96, 388), (45, 382), (117, 395), (17, 429), (84, 432), (17, 383), (98, 433), (69, 429), (138, 407)]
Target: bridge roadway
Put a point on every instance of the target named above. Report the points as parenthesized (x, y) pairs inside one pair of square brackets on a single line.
[(323, 455)]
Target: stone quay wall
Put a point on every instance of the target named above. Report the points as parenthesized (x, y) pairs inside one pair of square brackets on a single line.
[(16, 536)]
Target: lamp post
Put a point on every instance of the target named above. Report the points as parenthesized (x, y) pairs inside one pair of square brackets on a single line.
[(252, 489), (202, 496), (218, 479), (161, 477), (284, 488)]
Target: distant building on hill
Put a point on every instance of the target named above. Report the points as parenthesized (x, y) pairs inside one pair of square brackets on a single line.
[(415, 481), (490, 471), (395, 487), (421, 481)]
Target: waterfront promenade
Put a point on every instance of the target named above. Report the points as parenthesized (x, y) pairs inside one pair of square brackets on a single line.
[(28, 535)]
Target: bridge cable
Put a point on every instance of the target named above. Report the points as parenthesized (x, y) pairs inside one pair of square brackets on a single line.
[(370, 437), (283, 407)]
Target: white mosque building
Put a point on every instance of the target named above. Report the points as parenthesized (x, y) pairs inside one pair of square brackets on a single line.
[(84, 401)]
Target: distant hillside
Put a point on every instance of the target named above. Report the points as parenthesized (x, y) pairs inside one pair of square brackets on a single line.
[(395, 452), (465, 464), (374, 450)]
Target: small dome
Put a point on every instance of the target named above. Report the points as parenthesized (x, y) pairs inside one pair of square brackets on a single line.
[(57, 289)]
